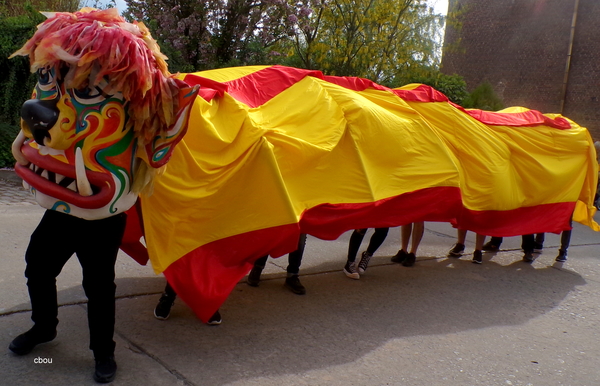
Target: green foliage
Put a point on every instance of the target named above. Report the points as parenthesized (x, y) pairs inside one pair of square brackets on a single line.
[(484, 98), (17, 83), (7, 135), (374, 39), (18, 21), (11, 8), (453, 86), (202, 35)]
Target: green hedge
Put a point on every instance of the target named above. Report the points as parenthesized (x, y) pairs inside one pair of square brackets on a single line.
[(16, 82), (7, 135)]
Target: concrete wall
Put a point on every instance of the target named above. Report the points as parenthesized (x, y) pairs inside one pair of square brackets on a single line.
[(521, 47)]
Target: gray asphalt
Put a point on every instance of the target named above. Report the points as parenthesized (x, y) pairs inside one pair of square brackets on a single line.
[(444, 321)]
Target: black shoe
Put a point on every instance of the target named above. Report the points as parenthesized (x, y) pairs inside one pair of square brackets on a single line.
[(457, 250), (24, 343), (351, 271), (215, 320), (528, 257), (293, 283), (364, 262), (538, 246), (477, 257), (254, 276), (410, 260), (106, 369), (562, 256), (163, 308), (400, 256), (490, 247)]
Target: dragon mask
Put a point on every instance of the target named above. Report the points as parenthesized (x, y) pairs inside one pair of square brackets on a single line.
[(104, 116)]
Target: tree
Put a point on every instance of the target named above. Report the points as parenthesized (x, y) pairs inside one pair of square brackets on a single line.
[(375, 39), (453, 86), (205, 34), (11, 8), (485, 98), (18, 21)]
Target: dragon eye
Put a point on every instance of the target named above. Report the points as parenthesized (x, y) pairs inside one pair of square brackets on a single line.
[(91, 95), (47, 88), (46, 79)]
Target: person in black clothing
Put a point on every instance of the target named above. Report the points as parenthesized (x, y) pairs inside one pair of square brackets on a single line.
[(351, 269), (46, 255), (162, 310), (529, 243), (292, 281), (565, 240)]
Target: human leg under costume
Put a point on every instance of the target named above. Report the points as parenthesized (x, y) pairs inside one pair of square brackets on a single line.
[(292, 280), (351, 269), (47, 253)]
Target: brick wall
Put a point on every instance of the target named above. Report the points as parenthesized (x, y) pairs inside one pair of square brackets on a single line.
[(582, 103), (521, 48)]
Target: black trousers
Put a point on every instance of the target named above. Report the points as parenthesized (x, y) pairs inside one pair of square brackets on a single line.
[(96, 243), (294, 258), (527, 242), (357, 237)]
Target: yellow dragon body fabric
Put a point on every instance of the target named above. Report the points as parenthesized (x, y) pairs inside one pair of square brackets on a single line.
[(272, 152)]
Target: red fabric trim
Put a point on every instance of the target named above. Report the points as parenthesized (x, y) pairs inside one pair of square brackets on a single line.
[(422, 93), (254, 89), (205, 277), (527, 118), (209, 88), (552, 218), (130, 244), (259, 87), (329, 221), (355, 84)]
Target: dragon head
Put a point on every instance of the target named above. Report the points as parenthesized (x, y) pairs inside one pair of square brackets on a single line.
[(104, 116)]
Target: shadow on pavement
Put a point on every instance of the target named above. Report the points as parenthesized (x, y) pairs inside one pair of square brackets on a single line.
[(269, 331)]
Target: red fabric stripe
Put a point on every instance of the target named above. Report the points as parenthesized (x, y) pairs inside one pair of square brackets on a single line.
[(205, 277), (525, 119), (552, 218), (209, 88), (329, 221), (423, 93), (261, 86), (130, 244), (355, 84), (254, 89)]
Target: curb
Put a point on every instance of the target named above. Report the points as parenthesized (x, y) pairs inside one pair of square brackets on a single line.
[(10, 175)]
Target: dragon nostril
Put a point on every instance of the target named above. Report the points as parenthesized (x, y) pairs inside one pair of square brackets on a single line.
[(40, 116), (39, 135)]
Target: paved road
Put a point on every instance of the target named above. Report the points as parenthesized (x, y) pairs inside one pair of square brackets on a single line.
[(442, 322)]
